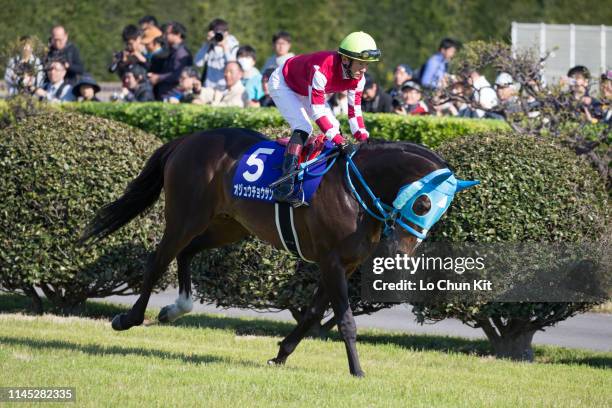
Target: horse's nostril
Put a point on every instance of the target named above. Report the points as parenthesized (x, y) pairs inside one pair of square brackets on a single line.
[(421, 205)]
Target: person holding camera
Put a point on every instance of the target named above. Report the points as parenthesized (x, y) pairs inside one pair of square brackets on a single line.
[(24, 72), (132, 52), (220, 48), (189, 87)]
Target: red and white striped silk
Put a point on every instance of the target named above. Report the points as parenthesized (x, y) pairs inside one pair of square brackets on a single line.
[(320, 73), (354, 111)]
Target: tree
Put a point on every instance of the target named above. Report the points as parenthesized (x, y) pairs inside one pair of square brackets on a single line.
[(531, 191)]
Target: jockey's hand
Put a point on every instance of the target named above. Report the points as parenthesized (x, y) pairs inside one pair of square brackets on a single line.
[(338, 140), (361, 135)]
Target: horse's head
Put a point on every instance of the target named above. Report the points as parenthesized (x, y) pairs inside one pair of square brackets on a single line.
[(424, 186)]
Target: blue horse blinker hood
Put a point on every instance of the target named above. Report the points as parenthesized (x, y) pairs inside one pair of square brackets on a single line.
[(440, 187)]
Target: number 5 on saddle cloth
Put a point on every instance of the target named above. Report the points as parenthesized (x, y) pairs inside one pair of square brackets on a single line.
[(260, 167)]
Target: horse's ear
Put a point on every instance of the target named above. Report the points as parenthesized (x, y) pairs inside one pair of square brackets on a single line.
[(463, 184)]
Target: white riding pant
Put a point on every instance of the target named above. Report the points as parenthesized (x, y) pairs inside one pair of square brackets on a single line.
[(295, 108)]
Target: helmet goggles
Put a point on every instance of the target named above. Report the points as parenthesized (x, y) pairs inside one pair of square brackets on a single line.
[(365, 55)]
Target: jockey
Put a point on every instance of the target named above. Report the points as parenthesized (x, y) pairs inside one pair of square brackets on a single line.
[(298, 89)]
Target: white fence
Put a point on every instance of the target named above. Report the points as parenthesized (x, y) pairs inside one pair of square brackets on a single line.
[(590, 46)]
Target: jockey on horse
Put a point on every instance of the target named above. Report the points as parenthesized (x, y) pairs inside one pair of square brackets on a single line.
[(400, 190), (298, 89)]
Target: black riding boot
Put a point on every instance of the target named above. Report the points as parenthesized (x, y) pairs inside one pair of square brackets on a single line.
[(283, 191)]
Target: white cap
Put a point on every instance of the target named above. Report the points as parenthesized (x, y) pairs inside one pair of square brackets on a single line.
[(504, 79)]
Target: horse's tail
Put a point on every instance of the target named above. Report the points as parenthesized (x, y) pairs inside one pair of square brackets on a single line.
[(140, 194)]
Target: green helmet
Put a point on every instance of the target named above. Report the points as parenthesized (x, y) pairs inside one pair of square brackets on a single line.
[(359, 46)]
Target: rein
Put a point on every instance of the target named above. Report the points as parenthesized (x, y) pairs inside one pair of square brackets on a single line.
[(387, 214)]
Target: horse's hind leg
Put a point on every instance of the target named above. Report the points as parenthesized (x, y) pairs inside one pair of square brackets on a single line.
[(184, 303), (157, 264), (314, 314), (218, 234)]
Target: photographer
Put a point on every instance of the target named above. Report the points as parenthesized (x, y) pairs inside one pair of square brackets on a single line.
[(220, 48), (24, 72), (131, 54), (188, 89)]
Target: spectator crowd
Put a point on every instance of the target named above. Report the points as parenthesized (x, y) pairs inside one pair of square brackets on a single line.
[(156, 65)]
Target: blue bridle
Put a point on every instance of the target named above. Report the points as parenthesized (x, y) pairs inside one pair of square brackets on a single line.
[(440, 186)]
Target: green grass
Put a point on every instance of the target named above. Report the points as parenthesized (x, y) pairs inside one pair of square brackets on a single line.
[(215, 361)]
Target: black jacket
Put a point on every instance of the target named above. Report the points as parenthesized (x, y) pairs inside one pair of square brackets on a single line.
[(170, 70), (70, 53), (382, 103), (144, 93)]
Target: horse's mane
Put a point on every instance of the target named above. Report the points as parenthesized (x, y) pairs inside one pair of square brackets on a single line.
[(374, 145)]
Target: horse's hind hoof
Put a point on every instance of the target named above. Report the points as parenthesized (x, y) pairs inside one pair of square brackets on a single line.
[(276, 361), (118, 323), (359, 374)]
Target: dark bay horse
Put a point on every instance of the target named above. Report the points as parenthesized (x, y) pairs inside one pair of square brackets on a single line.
[(195, 172)]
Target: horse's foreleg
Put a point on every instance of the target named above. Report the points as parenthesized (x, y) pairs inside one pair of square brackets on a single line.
[(313, 314), (335, 283)]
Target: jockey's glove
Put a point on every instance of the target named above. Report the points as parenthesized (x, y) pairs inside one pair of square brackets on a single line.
[(338, 140), (361, 135)]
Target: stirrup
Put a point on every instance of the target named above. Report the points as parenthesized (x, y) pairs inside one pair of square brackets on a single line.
[(298, 199)]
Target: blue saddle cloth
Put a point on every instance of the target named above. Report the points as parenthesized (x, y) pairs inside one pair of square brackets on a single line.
[(261, 165)]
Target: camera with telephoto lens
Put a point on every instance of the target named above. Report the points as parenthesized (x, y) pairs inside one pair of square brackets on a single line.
[(117, 57), (218, 37)]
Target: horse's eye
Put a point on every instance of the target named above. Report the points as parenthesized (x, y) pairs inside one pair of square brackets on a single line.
[(421, 205)]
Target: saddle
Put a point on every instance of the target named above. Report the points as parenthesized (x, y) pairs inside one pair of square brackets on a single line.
[(260, 167)]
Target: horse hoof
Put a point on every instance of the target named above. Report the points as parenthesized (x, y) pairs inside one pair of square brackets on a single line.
[(117, 323), (359, 374), (276, 361), (162, 317)]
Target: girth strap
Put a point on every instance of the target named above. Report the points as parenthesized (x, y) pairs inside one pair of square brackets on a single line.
[(283, 217)]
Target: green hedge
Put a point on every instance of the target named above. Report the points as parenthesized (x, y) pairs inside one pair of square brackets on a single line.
[(169, 121), (530, 191), (58, 169)]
